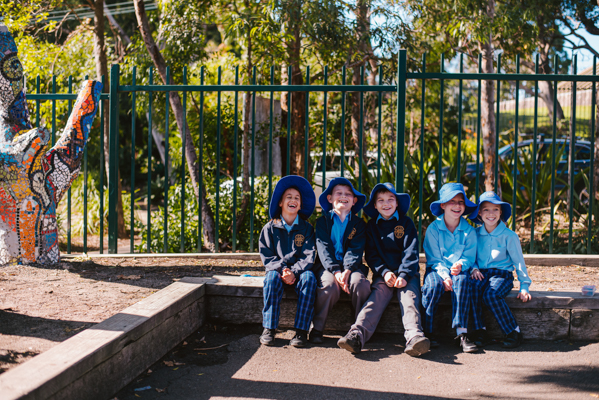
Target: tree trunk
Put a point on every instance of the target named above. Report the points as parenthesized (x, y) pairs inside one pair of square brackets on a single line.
[(176, 106), (488, 107), (102, 70), (546, 90)]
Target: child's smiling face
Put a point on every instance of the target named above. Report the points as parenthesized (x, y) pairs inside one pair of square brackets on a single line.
[(291, 202), (455, 207), (385, 204), (490, 214), (342, 198)]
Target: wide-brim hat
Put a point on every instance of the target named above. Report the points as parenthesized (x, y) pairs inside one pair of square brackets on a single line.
[(492, 197), (403, 200), (324, 202), (448, 192), (305, 189)]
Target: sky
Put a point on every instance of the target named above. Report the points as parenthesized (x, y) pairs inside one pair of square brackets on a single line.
[(585, 58)]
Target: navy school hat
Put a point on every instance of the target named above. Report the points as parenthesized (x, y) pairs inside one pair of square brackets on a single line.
[(403, 200), (324, 202), (492, 197), (448, 192), (305, 189)]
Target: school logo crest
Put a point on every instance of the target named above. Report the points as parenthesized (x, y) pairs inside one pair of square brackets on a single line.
[(352, 234), (299, 240), (399, 231)]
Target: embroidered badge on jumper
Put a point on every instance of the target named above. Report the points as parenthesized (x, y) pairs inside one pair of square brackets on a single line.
[(299, 240), (352, 234), (399, 231)]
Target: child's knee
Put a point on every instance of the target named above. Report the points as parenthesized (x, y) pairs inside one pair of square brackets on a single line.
[(272, 279), (308, 278)]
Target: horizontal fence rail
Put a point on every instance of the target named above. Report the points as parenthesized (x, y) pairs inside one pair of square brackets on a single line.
[(409, 128)]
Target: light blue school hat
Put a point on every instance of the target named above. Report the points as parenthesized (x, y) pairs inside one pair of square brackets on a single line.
[(324, 202), (403, 200), (448, 192), (491, 197), (305, 189)]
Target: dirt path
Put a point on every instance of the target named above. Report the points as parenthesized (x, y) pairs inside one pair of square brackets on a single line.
[(41, 306)]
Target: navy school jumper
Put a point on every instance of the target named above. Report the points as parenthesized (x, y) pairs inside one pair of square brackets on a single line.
[(392, 246), (354, 240), (280, 249)]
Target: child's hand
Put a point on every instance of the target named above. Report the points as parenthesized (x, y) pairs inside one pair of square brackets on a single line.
[(476, 274), (524, 296), (400, 282), (448, 285), (390, 279), (342, 279), (288, 276), (456, 268)]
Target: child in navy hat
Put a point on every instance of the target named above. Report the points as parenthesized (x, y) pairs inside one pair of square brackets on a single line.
[(287, 252), (499, 253), (450, 248), (340, 241), (392, 255)]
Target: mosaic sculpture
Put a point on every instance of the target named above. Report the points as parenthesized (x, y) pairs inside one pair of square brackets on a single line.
[(33, 176)]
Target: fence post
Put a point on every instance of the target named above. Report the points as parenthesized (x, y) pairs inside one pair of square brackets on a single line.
[(113, 143), (401, 119)]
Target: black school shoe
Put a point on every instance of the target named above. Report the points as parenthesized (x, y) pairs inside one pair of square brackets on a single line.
[(466, 344), (351, 342), (316, 336), (268, 337), (481, 338), (300, 339), (417, 346), (513, 340)]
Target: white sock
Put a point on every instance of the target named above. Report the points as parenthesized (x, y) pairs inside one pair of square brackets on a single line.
[(517, 329), (461, 330)]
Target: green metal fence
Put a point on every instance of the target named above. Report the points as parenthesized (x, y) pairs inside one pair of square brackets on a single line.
[(408, 167)]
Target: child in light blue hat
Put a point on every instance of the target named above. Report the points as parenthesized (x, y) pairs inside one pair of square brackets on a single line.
[(499, 253), (450, 248)]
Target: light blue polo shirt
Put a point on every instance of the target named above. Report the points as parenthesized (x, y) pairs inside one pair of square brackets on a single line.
[(288, 227), (337, 233), (501, 249), (395, 215), (444, 248)]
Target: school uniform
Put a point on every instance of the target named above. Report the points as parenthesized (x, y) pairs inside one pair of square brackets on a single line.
[(444, 248), (340, 247), (284, 246), (499, 253)]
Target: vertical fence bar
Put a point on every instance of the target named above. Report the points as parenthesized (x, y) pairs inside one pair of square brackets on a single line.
[(133, 103), (534, 160), (201, 162), (380, 107), (421, 182), (307, 128), (235, 147), (289, 94), (572, 157), (253, 162), (441, 109), (272, 82), (553, 154), (361, 133), (402, 70), (342, 144), (460, 94), (85, 191), (592, 164), (515, 167), (183, 160), (166, 162), (53, 110), (218, 139), (69, 191), (113, 176), (497, 116), (37, 102), (478, 126), (102, 169), (324, 130), (149, 183)]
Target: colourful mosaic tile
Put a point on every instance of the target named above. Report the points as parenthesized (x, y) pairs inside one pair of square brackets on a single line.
[(34, 177)]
